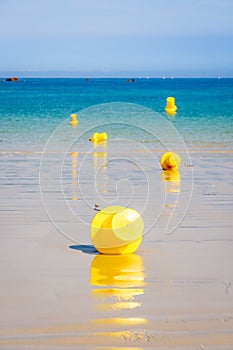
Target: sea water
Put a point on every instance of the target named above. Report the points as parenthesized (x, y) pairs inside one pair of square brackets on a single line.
[(31, 109), (38, 145)]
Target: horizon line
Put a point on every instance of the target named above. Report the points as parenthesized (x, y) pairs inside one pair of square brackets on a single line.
[(165, 74), (116, 77)]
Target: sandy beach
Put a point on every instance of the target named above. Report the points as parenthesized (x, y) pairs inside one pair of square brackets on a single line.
[(175, 292)]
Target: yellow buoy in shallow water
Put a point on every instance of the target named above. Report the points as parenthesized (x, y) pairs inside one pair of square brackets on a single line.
[(116, 230), (97, 138), (170, 108), (73, 119), (170, 161)]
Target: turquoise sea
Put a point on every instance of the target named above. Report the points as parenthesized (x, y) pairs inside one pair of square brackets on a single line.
[(38, 143), (31, 109)]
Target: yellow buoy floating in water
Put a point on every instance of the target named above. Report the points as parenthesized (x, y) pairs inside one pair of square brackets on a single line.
[(116, 230), (170, 161), (73, 119), (170, 107), (97, 138)]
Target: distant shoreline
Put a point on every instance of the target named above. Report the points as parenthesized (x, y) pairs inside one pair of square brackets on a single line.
[(4, 77)]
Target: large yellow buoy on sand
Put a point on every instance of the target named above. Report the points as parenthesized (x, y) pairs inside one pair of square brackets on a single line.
[(73, 119), (170, 107), (170, 161), (97, 138), (116, 230)]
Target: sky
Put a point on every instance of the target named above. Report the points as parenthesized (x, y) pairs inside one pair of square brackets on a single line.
[(114, 37)]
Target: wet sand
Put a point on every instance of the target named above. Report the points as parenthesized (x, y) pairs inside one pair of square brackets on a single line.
[(175, 292)]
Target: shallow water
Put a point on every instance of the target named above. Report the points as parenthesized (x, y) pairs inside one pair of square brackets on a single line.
[(176, 291)]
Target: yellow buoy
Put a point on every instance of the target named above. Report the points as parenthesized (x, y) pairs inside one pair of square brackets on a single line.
[(73, 119), (97, 138), (170, 161), (170, 108), (116, 230)]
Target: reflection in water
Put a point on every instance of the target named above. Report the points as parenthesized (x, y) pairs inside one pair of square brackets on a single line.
[(100, 166), (121, 321), (119, 279), (121, 271), (117, 348), (172, 180), (74, 182), (123, 279)]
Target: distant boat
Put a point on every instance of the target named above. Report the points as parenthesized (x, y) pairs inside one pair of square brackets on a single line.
[(12, 79)]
